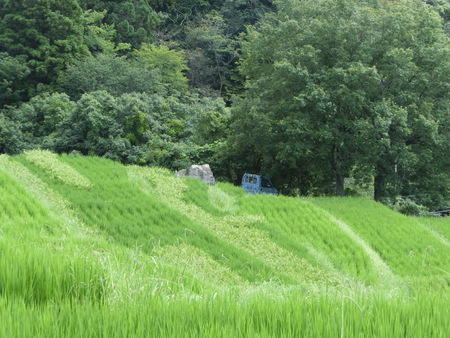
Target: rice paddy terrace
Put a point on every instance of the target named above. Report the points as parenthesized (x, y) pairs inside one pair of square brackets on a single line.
[(89, 247)]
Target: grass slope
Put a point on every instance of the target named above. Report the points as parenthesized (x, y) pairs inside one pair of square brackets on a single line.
[(406, 244), (85, 241)]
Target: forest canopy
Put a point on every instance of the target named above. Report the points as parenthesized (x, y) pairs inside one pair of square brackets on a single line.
[(325, 97)]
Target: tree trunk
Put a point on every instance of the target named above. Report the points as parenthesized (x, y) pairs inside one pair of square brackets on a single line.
[(339, 178), (340, 191), (378, 184)]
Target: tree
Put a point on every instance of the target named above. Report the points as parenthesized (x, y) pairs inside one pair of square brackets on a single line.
[(111, 73), (11, 141), (170, 64), (35, 124), (44, 36), (209, 122), (139, 128), (331, 87), (99, 36), (135, 21), (241, 13), (12, 72), (416, 73), (211, 53)]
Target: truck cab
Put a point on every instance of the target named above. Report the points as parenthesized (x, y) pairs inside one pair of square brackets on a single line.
[(258, 184)]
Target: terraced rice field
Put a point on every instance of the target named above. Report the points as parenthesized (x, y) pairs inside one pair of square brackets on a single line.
[(408, 245), (89, 247)]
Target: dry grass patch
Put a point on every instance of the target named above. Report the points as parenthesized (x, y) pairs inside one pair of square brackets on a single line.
[(199, 263), (49, 161)]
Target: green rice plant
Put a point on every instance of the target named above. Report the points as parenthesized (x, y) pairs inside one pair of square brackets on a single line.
[(169, 263), (132, 274), (19, 206), (35, 275), (385, 276), (43, 260), (47, 197), (242, 231), (281, 313), (439, 225), (221, 200), (210, 198), (198, 262), (238, 230), (28, 269), (59, 170), (406, 245), (234, 191), (305, 229), (127, 216), (196, 192)]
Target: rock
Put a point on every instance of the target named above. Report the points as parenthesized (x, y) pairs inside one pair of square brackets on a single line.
[(202, 172)]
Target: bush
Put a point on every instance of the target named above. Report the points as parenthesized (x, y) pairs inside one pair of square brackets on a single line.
[(407, 206)]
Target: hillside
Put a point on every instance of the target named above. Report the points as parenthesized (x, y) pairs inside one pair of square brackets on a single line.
[(313, 94), (85, 240)]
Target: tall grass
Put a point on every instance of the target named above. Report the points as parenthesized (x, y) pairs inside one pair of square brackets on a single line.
[(127, 216), (240, 231), (32, 267), (143, 253), (197, 260), (409, 248), (61, 171), (440, 225), (43, 259), (305, 229), (35, 276), (241, 315)]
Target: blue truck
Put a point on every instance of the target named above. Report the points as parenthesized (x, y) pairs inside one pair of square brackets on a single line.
[(258, 184)]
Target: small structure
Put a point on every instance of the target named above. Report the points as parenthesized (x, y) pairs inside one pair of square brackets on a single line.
[(202, 172), (440, 213), (258, 184)]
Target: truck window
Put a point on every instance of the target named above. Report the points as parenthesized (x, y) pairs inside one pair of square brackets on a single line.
[(251, 179), (265, 183)]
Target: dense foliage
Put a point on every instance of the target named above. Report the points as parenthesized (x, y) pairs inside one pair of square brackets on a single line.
[(339, 89), (312, 93)]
